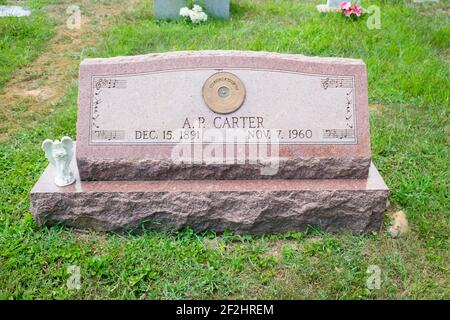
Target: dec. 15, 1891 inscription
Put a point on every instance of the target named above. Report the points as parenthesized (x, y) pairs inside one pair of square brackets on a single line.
[(168, 107)]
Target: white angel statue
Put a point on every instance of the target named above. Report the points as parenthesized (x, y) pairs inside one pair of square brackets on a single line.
[(60, 154)]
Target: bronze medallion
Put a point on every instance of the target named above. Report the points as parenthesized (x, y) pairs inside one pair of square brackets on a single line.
[(224, 92)]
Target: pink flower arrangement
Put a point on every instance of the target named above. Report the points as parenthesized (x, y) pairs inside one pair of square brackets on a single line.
[(348, 9)]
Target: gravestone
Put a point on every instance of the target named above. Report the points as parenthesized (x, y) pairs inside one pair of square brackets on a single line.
[(334, 3), (168, 9), (330, 6), (219, 9), (14, 11), (248, 141)]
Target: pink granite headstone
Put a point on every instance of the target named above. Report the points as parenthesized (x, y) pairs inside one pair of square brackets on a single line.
[(134, 112), (248, 141)]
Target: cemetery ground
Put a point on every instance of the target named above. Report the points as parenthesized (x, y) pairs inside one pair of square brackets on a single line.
[(408, 72)]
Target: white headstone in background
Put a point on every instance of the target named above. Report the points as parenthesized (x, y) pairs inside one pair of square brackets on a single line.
[(168, 9), (14, 11), (219, 9), (331, 6), (334, 3)]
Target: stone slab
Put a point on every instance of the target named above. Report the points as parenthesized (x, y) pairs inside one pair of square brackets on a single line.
[(334, 3), (168, 9), (14, 11), (244, 206), (323, 8), (124, 100), (219, 9)]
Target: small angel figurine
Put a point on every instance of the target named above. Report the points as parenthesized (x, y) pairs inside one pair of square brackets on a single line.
[(60, 154)]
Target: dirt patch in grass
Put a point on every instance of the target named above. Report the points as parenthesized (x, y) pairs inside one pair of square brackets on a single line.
[(276, 249), (46, 79), (376, 108)]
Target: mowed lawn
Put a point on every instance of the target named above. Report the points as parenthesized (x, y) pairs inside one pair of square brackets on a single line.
[(409, 77), (21, 40)]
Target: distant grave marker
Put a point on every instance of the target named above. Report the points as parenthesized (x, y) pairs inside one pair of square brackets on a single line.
[(219, 9), (168, 9), (14, 11), (330, 6)]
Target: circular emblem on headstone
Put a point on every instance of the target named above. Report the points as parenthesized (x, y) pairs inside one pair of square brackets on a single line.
[(224, 92)]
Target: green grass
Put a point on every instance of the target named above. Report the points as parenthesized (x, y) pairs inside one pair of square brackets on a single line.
[(408, 73), (23, 39)]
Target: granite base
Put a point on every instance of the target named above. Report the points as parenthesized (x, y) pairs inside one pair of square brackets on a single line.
[(243, 206)]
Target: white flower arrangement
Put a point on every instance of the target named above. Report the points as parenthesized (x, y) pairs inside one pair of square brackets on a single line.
[(196, 14)]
